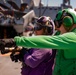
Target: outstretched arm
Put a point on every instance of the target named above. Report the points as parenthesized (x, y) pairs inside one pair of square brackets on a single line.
[(65, 41)]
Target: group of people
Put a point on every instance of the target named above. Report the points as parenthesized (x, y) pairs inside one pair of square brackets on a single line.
[(49, 52)]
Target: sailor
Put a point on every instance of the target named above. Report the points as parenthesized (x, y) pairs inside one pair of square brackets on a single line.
[(36, 61), (40, 61), (65, 43)]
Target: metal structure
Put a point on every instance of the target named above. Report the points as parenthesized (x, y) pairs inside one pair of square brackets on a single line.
[(12, 22)]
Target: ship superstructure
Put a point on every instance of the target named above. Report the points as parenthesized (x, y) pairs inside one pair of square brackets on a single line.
[(12, 12)]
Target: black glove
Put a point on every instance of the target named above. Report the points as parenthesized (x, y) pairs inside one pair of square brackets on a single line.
[(18, 56), (7, 42)]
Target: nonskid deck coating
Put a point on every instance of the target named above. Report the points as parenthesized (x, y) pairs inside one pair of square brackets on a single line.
[(7, 67)]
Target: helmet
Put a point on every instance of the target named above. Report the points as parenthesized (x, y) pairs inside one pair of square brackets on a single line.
[(65, 17), (47, 23)]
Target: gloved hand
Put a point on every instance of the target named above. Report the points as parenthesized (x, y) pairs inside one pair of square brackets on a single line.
[(7, 42), (18, 56)]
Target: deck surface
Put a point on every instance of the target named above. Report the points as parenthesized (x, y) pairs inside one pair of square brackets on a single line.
[(7, 67)]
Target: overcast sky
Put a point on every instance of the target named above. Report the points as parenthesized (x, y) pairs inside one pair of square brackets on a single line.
[(58, 2), (50, 2)]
